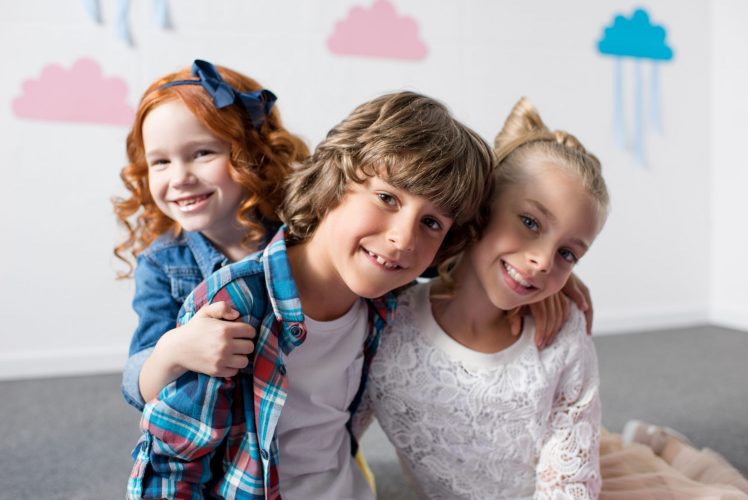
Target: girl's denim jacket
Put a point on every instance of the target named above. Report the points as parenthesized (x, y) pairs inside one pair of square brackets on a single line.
[(165, 274)]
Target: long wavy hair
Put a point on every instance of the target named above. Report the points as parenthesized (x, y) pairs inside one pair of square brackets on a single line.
[(260, 161)]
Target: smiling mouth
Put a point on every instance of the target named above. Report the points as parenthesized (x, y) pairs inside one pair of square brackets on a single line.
[(387, 264), (517, 277), (190, 203)]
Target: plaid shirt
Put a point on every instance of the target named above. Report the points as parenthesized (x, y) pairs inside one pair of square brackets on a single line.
[(215, 437)]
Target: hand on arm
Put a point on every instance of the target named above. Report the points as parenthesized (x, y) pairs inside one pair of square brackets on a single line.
[(211, 343), (580, 295), (551, 313)]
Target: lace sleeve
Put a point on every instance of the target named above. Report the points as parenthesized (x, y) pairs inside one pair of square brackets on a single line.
[(569, 466)]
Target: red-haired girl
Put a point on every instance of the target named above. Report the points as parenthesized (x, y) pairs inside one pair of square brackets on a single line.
[(208, 155)]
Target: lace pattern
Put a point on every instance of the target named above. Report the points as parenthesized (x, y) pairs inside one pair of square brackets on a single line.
[(526, 426)]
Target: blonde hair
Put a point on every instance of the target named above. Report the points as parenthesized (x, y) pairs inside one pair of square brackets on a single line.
[(260, 161), (524, 138), (415, 144)]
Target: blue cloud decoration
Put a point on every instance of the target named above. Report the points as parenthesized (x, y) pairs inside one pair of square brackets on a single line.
[(635, 37)]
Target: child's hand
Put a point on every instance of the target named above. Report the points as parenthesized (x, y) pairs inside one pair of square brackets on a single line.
[(549, 315), (212, 343), (580, 294)]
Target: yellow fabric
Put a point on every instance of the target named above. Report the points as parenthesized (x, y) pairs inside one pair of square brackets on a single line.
[(366, 471)]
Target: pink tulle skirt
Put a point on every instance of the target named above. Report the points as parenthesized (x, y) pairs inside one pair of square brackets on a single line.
[(634, 472)]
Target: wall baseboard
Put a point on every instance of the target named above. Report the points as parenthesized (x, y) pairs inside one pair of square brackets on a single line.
[(620, 322), (730, 317), (61, 363)]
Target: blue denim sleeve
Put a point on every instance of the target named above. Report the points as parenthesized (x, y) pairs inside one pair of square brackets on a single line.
[(157, 311), (131, 378)]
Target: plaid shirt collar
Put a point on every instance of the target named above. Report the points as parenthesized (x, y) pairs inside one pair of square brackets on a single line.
[(284, 297), (197, 415)]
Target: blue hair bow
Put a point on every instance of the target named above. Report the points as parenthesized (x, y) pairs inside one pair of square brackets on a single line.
[(257, 103)]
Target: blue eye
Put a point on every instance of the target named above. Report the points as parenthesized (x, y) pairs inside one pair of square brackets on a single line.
[(529, 222), (568, 256)]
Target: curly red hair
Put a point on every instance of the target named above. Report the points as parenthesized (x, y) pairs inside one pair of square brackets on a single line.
[(260, 161)]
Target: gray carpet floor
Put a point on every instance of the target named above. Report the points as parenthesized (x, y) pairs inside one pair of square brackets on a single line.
[(70, 438)]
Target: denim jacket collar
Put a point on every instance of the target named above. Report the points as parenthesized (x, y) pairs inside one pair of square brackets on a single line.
[(208, 258)]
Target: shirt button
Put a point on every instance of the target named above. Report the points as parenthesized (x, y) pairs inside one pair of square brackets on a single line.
[(295, 330), (282, 369), (264, 454)]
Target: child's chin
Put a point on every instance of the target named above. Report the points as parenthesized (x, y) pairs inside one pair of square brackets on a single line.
[(372, 292)]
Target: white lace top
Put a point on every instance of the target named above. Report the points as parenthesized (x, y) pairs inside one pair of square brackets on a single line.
[(519, 423)]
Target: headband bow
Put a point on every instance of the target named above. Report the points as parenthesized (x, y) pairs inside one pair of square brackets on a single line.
[(257, 103)]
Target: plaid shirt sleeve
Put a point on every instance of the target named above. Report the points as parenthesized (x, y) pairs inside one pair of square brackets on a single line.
[(190, 417)]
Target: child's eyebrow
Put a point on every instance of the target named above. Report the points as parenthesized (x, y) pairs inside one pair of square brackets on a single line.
[(549, 215), (584, 246), (445, 213)]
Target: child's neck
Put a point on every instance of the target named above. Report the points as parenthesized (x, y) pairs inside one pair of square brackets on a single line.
[(468, 316), (229, 243), (324, 296)]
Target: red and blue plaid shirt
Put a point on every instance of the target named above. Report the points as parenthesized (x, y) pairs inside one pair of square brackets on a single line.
[(215, 437)]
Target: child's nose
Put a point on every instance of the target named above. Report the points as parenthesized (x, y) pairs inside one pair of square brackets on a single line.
[(182, 174), (540, 258), (402, 233)]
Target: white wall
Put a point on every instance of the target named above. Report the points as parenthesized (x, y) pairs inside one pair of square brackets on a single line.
[(729, 164), (64, 312)]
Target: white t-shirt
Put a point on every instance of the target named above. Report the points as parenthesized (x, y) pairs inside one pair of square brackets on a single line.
[(324, 373), (468, 425)]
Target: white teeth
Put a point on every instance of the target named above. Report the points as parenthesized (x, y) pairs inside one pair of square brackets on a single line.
[(516, 276), (381, 260), (187, 204)]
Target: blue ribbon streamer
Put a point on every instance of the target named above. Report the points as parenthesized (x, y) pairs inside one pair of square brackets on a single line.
[(619, 125), (638, 114), (93, 9), (654, 98), (123, 21), (161, 17)]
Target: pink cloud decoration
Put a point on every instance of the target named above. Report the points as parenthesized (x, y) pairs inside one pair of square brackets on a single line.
[(80, 94), (377, 32)]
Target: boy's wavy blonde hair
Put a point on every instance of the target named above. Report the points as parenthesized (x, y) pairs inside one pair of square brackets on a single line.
[(260, 161), (415, 144)]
